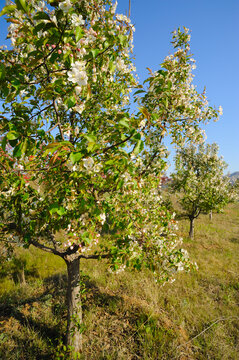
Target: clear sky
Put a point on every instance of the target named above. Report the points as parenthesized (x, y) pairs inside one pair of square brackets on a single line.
[(214, 26)]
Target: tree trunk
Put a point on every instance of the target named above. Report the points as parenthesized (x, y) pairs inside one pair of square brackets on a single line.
[(74, 310), (210, 215), (191, 231), (22, 278)]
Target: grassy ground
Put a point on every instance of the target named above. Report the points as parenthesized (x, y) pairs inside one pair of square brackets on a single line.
[(128, 316)]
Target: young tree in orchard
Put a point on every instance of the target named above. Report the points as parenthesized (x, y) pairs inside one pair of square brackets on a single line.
[(74, 160), (200, 182)]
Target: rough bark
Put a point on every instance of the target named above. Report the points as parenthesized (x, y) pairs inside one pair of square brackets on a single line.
[(22, 278), (191, 231), (210, 215), (74, 310)]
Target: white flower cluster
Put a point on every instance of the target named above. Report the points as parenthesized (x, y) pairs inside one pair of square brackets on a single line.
[(65, 6), (77, 74)]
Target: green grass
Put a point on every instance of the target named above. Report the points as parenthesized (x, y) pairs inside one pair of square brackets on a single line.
[(128, 316)]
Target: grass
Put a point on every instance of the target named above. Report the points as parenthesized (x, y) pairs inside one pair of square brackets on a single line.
[(128, 316)]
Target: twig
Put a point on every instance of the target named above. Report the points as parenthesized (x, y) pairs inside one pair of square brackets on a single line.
[(40, 111), (58, 118), (207, 328)]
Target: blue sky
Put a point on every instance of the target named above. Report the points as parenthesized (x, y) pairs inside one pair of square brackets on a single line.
[(214, 26)]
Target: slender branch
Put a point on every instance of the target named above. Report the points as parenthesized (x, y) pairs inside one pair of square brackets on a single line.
[(53, 127), (150, 162), (207, 328), (4, 167), (52, 50), (46, 248), (153, 156), (114, 145), (9, 241), (58, 118), (96, 256), (101, 53), (39, 112)]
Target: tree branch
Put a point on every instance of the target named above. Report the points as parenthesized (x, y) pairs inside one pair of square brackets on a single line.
[(95, 256), (114, 145), (58, 118), (46, 248), (39, 112)]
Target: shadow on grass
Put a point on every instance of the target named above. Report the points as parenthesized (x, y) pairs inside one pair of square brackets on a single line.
[(24, 332), (235, 240), (181, 216), (126, 327)]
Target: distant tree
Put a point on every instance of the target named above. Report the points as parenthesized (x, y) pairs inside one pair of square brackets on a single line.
[(73, 155), (235, 189), (199, 181)]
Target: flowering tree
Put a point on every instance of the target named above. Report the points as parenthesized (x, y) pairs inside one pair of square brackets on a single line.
[(200, 182), (74, 160)]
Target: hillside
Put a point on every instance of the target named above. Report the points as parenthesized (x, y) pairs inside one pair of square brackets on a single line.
[(128, 316), (234, 176)]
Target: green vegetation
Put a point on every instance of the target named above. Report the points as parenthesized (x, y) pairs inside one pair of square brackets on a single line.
[(129, 316)]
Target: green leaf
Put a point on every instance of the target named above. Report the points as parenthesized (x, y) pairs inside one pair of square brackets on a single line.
[(54, 208), (70, 102), (4, 143), (139, 92), (75, 157), (22, 5), (61, 211), (124, 122), (13, 135), (16, 83), (137, 136), (122, 39), (41, 133), (26, 239), (166, 102), (112, 66), (109, 162), (95, 52), (90, 138), (17, 152), (91, 146), (53, 57), (2, 72), (41, 16), (139, 147), (7, 9), (13, 143), (120, 184), (38, 27), (79, 33)]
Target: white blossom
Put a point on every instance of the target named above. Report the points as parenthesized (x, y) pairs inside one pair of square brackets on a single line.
[(77, 74), (65, 5), (79, 108), (102, 218), (78, 90), (88, 163), (77, 20)]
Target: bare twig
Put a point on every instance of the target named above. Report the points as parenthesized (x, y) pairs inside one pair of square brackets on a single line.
[(207, 328), (40, 111), (58, 118), (96, 256), (46, 248)]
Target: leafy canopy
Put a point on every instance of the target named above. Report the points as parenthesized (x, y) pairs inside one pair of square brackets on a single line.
[(200, 181), (76, 163)]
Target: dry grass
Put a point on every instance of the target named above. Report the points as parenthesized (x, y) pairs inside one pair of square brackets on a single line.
[(128, 316)]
